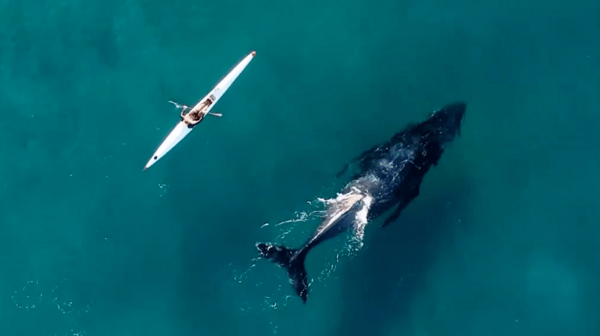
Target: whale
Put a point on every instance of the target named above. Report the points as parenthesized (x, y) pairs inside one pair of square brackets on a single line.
[(387, 176)]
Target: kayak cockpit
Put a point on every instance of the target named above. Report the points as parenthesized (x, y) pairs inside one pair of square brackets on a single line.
[(195, 115), (202, 107)]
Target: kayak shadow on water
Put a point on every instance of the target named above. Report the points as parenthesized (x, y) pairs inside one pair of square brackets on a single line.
[(385, 276)]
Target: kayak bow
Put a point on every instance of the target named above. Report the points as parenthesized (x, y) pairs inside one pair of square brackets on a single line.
[(182, 129)]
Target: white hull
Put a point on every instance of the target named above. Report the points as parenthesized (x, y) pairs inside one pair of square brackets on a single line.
[(219, 90), (176, 135), (181, 129)]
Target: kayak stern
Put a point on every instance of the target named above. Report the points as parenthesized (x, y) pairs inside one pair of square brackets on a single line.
[(176, 135)]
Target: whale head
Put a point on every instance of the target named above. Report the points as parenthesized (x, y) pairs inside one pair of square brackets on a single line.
[(447, 121)]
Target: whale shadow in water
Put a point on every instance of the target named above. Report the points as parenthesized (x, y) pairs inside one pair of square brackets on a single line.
[(383, 279)]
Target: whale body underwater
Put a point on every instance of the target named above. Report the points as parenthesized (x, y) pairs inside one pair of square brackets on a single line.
[(389, 175)]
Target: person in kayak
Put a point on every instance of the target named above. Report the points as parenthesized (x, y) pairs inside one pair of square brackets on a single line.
[(195, 115), (192, 118)]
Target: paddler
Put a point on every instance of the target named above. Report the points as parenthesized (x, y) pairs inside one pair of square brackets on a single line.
[(192, 118), (197, 114)]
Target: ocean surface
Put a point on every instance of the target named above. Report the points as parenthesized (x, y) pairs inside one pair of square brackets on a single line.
[(504, 238)]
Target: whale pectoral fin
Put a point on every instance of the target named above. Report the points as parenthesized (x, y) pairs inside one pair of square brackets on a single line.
[(341, 172), (374, 153), (365, 158), (394, 216)]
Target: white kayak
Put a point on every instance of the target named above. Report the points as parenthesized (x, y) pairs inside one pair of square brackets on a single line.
[(203, 106)]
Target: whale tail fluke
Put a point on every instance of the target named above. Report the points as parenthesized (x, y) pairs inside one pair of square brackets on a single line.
[(290, 259)]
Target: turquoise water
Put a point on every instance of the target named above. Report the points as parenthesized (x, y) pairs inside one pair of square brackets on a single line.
[(503, 240)]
